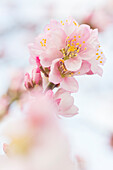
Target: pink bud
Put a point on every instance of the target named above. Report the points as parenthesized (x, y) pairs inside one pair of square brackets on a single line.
[(27, 81), (36, 76), (38, 61)]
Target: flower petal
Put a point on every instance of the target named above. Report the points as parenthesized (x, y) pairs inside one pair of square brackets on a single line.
[(71, 112), (73, 64), (54, 75), (85, 68), (70, 84)]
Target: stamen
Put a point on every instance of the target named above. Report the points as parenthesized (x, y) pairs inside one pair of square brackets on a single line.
[(75, 23), (77, 43)]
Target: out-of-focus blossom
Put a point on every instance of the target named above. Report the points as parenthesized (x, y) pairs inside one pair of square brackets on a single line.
[(81, 163), (68, 49), (4, 106), (17, 80), (99, 18), (34, 144), (111, 140), (65, 103), (13, 93)]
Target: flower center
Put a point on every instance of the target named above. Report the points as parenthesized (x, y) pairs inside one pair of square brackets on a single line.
[(63, 71), (72, 48)]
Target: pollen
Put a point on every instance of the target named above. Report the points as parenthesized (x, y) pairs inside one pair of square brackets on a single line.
[(77, 43), (75, 23), (66, 20), (79, 36), (41, 43), (67, 37), (74, 36), (85, 48), (61, 60), (101, 52), (96, 53), (84, 42), (78, 51), (48, 29), (100, 61)]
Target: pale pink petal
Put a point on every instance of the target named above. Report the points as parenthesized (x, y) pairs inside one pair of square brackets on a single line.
[(70, 26), (97, 70), (84, 32), (85, 68), (73, 64), (48, 56), (56, 39), (66, 102), (69, 84), (71, 112), (54, 75)]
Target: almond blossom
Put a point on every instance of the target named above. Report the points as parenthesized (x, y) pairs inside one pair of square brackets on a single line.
[(68, 49)]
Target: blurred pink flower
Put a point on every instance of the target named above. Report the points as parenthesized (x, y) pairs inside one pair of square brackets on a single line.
[(4, 105), (35, 143), (99, 18), (17, 81)]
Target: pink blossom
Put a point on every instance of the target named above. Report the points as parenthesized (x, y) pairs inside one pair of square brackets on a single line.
[(68, 49), (65, 103), (99, 18)]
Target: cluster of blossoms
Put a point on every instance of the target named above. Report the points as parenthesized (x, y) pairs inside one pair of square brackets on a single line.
[(63, 51)]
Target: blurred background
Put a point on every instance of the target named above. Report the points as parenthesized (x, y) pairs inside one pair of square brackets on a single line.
[(91, 132)]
